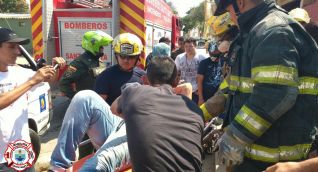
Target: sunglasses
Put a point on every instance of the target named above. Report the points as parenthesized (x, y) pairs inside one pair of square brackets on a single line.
[(123, 57)]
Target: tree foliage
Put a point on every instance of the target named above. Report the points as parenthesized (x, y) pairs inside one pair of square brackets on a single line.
[(13, 6), (173, 8), (194, 18)]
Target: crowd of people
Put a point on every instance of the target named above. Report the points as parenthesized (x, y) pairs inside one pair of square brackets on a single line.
[(261, 77)]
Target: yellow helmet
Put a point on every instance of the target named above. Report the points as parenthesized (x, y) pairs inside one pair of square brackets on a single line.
[(127, 44), (300, 15), (220, 24)]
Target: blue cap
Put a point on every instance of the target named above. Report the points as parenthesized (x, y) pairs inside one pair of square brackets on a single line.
[(161, 50)]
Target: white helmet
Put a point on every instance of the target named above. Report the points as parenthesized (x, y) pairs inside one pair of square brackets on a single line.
[(300, 15)]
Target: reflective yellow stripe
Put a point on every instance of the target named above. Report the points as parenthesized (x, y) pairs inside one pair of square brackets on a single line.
[(308, 85), (224, 85), (206, 114), (242, 84), (282, 153), (276, 74), (251, 121)]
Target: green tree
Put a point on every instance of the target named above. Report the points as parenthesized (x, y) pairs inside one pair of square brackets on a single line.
[(194, 18), (173, 8), (13, 6)]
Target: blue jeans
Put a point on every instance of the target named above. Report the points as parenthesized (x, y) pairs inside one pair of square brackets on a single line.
[(89, 113)]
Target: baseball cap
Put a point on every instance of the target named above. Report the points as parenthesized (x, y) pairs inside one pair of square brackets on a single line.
[(7, 35)]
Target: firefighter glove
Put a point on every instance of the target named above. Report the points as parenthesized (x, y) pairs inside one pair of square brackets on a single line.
[(231, 149)]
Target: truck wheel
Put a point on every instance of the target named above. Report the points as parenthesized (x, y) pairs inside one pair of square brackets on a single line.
[(36, 143)]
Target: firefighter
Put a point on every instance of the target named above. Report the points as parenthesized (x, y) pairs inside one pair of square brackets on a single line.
[(225, 30), (272, 104), (81, 70), (127, 48), (210, 73)]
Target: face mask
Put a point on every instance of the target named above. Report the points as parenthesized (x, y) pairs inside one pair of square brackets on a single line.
[(215, 56)]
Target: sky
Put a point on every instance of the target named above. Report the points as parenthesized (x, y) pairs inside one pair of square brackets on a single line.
[(182, 6)]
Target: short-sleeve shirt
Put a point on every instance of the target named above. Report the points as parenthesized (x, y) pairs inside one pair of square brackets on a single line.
[(212, 72), (160, 136), (110, 81), (189, 68), (14, 118)]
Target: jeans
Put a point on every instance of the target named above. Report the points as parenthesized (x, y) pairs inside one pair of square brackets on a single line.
[(112, 155), (89, 113)]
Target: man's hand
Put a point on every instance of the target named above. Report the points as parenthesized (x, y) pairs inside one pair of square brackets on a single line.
[(284, 167), (58, 60), (44, 74), (184, 89), (231, 150)]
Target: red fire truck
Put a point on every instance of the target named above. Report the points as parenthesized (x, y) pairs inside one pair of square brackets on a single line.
[(58, 25)]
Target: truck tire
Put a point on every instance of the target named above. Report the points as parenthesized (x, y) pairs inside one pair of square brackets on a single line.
[(36, 144)]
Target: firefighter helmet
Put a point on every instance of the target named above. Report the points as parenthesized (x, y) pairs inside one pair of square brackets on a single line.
[(220, 24), (300, 15), (127, 44), (93, 40)]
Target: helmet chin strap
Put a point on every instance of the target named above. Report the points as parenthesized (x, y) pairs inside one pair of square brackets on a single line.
[(134, 65), (99, 55), (236, 8)]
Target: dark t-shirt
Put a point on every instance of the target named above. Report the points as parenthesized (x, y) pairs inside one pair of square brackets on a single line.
[(175, 53), (164, 130), (112, 79), (212, 72)]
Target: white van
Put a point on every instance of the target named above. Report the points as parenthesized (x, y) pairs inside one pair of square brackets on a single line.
[(40, 103)]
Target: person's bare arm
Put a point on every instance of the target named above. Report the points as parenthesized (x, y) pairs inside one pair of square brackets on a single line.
[(184, 89), (45, 74), (200, 79), (310, 165), (42, 75), (104, 96)]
